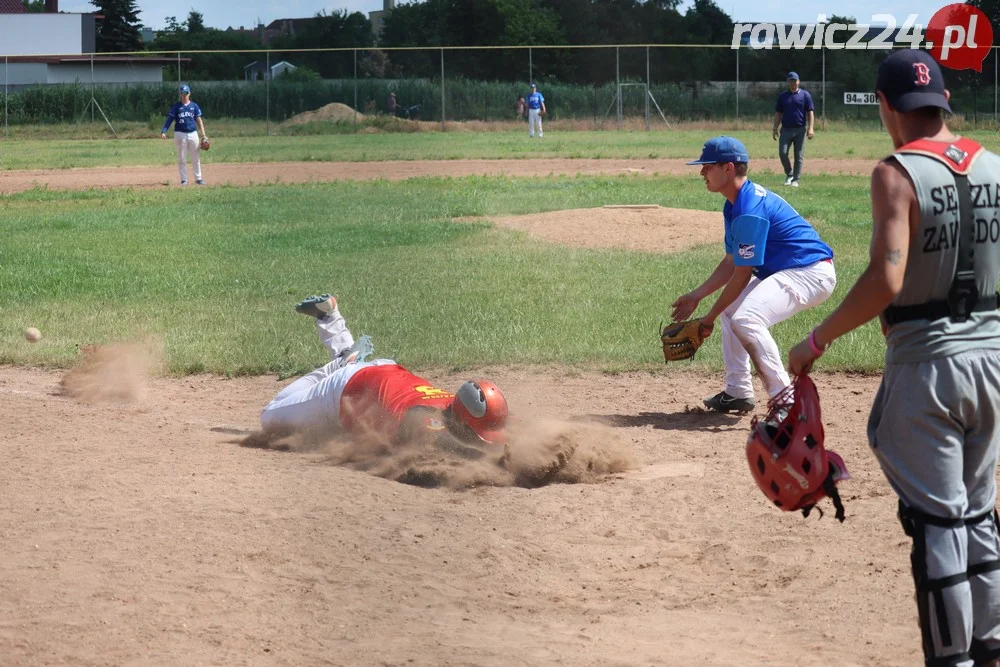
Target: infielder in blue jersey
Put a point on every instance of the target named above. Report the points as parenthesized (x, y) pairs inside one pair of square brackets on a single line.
[(536, 109), (186, 119), (775, 266)]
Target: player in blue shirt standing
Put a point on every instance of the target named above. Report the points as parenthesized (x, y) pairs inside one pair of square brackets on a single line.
[(775, 266), (186, 118), (794, 111), (536, 109)]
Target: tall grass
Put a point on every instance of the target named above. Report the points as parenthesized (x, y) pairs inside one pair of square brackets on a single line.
[(214, 272), (464, 100)]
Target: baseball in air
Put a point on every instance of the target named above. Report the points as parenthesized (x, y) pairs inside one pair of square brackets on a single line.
[(32, 335)]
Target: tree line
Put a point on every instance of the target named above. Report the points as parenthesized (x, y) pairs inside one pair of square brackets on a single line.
[(506, 23)]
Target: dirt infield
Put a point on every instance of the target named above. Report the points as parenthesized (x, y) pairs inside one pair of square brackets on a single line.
[(142, 527), (306, 172), (134, 533), (645, 229)]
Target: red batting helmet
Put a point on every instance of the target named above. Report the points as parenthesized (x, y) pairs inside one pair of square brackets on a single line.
[(482, 407), (786, 455)]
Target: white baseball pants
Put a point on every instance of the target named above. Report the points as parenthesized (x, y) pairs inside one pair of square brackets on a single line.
[(534, 120), (188, 142), (314, 399), (761, 305)]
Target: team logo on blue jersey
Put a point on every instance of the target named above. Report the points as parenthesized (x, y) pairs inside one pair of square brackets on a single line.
[(745, 250)]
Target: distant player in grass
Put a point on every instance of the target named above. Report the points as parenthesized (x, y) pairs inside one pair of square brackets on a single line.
[(536, 109), (794, 112), (185, 116)]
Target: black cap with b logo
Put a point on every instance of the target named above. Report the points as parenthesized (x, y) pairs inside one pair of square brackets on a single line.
[(912, 79)]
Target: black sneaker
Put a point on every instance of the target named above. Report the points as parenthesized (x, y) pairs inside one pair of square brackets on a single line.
[(723, 402)]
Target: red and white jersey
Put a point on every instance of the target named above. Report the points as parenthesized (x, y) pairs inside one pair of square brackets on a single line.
[(380, 393)]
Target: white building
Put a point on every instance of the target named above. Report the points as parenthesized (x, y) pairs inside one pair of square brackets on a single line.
[(378, 18), (258, 71), (54, 47)]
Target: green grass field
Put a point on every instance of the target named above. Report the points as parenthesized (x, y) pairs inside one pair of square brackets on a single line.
[(234, 142), (213, 273)]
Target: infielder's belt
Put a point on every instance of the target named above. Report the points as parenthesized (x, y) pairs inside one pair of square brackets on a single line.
[(935, 310)]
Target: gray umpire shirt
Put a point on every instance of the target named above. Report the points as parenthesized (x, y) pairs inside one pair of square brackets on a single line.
[(932, 257)]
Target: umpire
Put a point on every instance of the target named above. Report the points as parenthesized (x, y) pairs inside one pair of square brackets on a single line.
[(794, 112)]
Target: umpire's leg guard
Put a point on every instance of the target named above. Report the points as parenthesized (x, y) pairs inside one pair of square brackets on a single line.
[(944, 601), (984, 581)]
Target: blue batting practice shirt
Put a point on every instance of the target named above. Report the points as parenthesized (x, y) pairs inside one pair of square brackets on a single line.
[(535, 100), (764, 231), (793, 107), (182, 116)]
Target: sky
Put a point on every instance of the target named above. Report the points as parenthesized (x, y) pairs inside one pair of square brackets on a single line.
[(236, 13)]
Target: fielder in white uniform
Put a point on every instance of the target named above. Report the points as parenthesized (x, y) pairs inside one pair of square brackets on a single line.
[(775, 266), (536, 109), (186, 119)]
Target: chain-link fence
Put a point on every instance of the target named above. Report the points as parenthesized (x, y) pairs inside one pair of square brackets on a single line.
[(607, 87)]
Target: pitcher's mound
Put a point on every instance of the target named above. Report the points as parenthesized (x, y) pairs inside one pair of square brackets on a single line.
[(643, 228)]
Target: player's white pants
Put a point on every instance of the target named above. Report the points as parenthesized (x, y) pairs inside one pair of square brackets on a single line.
[(761, 305), (534, 120), (188, 142), (314, 399)]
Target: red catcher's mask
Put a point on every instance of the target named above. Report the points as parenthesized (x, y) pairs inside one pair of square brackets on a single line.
[(786, 455)]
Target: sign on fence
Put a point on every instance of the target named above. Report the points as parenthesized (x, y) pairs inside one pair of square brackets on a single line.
[(860, 98)]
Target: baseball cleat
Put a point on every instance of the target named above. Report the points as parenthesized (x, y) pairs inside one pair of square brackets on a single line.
[(359, 352), (795, 183), (723, 402), (200, 181), (780, 415), (788, 180), (320, 307)]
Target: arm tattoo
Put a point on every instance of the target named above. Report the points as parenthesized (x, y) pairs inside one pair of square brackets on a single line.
[(893, 257)]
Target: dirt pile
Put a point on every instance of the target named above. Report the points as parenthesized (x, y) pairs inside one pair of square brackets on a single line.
[(335, 112)]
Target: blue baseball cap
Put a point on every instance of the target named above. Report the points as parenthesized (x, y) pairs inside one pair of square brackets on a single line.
[(722, 149), (792, 76), (185, 88), (911, 79), (533, 85)]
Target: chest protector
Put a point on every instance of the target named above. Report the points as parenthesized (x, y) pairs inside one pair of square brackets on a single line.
[(963, 296)]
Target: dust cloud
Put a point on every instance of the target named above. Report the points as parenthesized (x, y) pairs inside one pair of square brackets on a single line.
[(115, 373), (538, 453)]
